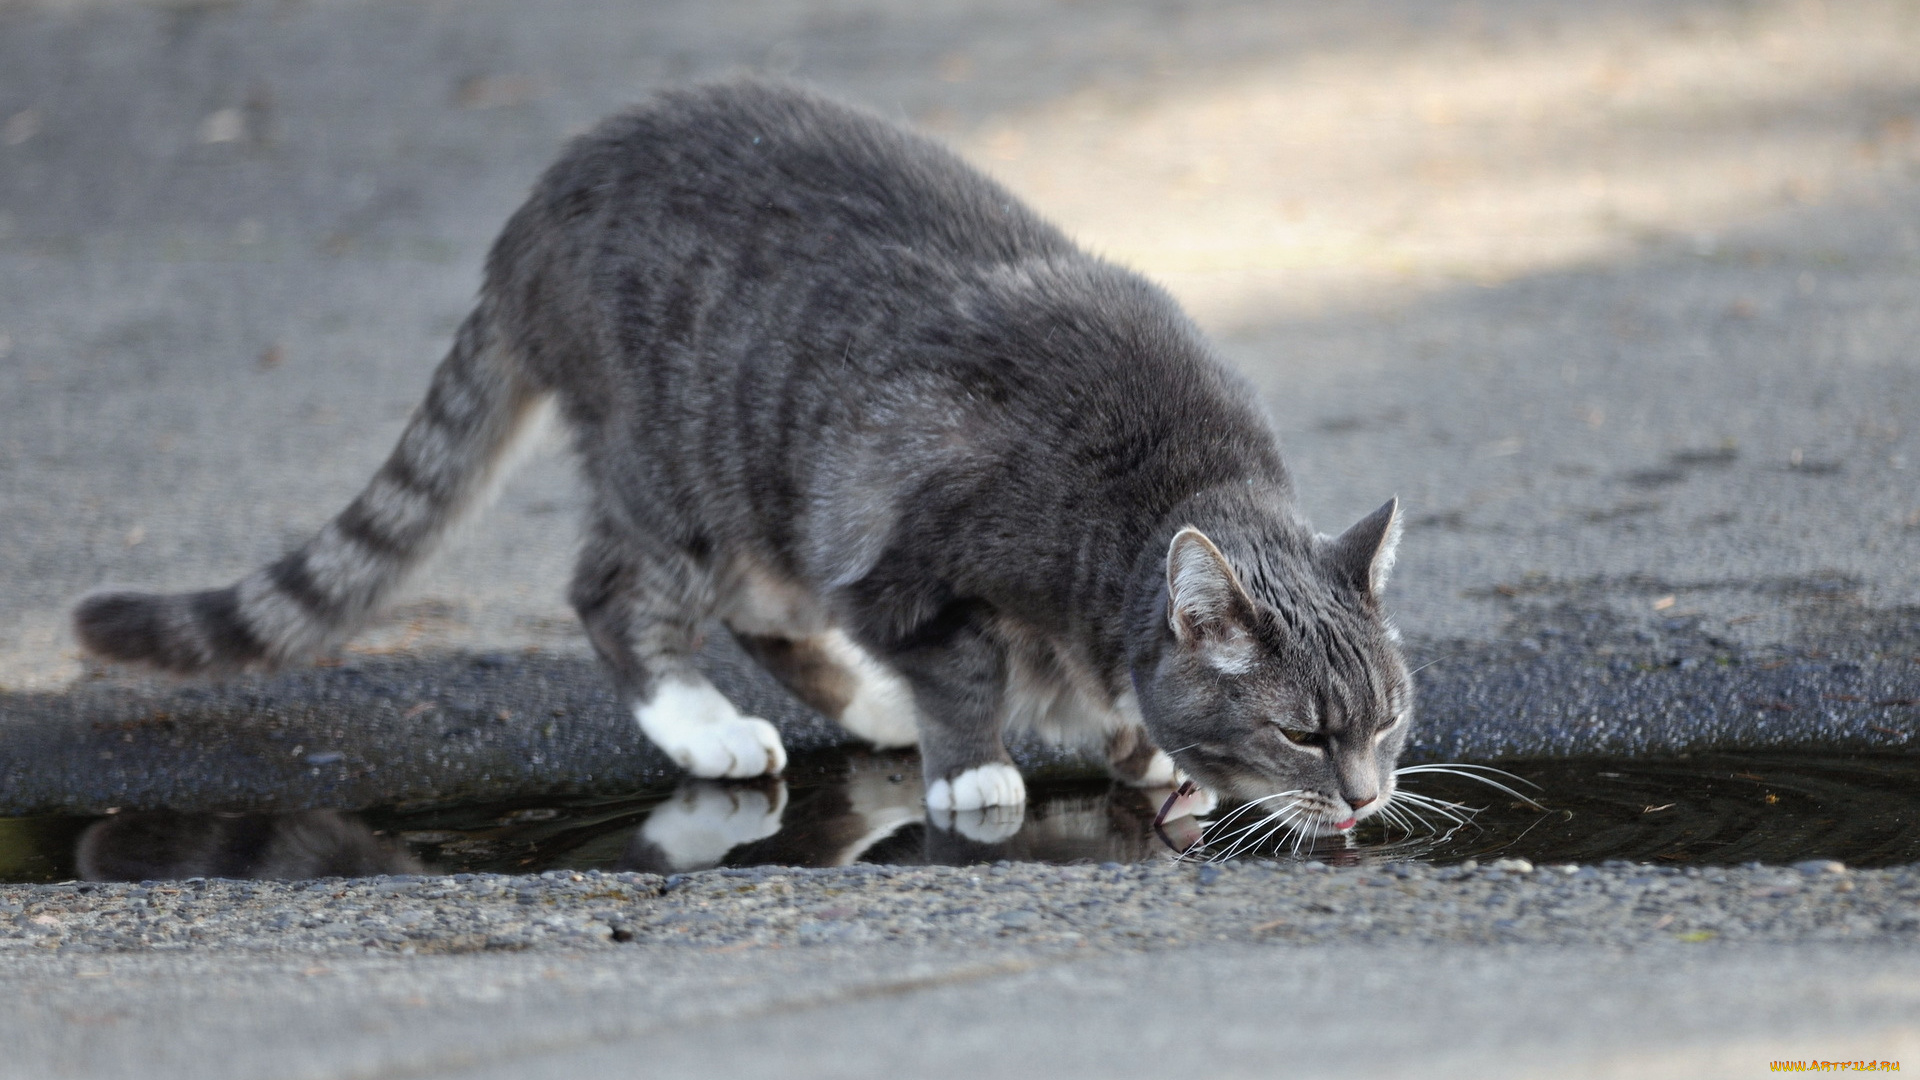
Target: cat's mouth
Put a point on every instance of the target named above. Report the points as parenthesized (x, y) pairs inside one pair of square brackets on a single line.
[(1323, 816), (1263, 811), (1311, 817), (1328, 824), (1293, 819)]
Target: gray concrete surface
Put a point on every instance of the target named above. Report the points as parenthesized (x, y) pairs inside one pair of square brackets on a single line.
[(1244, 970), (210, 344), (1618, 297), (1215, 1010)]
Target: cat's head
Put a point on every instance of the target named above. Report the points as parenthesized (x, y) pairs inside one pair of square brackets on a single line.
[(1282, 673)]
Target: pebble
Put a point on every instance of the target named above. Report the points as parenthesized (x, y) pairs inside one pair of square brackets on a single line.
[(1811, 867)]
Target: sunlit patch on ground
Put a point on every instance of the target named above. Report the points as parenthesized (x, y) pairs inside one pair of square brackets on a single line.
[(1471, 155)]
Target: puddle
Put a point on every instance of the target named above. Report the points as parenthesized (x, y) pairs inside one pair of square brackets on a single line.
[(840, 808)]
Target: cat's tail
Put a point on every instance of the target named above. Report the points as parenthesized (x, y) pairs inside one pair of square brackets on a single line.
[(478, 408)]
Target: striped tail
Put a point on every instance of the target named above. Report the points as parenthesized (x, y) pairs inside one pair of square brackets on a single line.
[(449, 456)]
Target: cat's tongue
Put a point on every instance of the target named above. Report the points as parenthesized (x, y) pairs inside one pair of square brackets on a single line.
[(1343, 826)]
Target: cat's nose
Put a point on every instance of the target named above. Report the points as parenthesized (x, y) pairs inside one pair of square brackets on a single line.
[(1360, 803)]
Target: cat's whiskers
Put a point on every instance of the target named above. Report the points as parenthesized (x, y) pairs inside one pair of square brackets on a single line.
[(1417, 799), (1410, 813), (1467, 771), (1232, 844), (1210, 838), (1441, 766), (1244, 807), (1295, 817), (1435, 835), (1307, 837), (1431, 834), (1430, 663), (1281, 822), (1397, 816), (1386, 813), (1300, 816), (1249, 827), (1237, 813), (1300, 837), (1274, 822), (1454, 812), (1232, 841), (1235, 846)]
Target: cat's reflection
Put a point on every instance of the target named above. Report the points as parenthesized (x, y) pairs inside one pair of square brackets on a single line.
[(704, 820), (1115, 825), (160, 845), (876, 814)]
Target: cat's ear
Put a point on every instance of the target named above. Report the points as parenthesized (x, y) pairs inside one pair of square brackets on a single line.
[(1206, 606), (1362, 557)]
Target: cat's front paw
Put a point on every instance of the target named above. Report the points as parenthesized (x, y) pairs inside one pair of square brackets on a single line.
[(704, 734), (986, 804), (704, 820), (995, 784), (736, 749)]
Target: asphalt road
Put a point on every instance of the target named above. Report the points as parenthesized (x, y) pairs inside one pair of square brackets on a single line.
[(1617, 297)]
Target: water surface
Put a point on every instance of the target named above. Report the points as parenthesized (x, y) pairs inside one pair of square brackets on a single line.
[(844, 807)]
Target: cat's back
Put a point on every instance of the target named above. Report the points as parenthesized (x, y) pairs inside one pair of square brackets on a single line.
[(749, 165)]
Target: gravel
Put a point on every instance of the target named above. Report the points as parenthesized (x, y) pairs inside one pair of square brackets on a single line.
[(1110, 907)]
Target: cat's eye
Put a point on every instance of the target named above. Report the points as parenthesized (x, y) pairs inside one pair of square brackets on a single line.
[(1381, 734), (1301, 736)]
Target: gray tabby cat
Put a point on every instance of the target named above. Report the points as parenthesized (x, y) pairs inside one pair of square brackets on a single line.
[(940, 471)]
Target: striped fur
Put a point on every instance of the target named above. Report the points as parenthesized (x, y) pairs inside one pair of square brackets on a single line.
[(448, 457), (833, 388)]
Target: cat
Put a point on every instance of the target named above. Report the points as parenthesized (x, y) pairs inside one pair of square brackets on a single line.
[(939, 470)]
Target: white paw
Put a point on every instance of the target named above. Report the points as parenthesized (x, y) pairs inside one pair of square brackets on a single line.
[(703, 820), (996, 784), (989, 825), (735, 749), (701, 730), (882, 709)]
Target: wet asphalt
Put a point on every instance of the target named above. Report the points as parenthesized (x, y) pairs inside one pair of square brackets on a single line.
[(1658, 455)]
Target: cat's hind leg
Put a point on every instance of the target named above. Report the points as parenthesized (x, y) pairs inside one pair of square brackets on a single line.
[(841, 681), (786, 628), (643, 605)]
